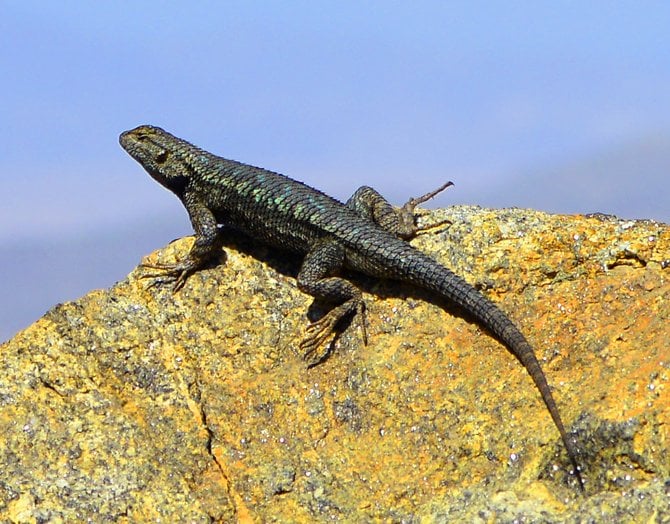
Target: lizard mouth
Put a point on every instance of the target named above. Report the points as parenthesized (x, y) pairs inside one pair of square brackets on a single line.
[(138, 143), (128, 140)]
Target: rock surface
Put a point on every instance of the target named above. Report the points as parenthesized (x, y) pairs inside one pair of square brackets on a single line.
[(135, 404)]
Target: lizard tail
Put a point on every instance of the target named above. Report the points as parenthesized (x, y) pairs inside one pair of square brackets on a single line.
[(487, 314)]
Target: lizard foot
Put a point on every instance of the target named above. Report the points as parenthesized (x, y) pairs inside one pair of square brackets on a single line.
[(177, 273), (318, 332), (410, 206)]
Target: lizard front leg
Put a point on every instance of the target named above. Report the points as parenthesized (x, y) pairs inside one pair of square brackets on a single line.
[(315, 278), (207, 244)]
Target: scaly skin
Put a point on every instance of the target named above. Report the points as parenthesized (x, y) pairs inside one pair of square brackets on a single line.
[(366, 234)]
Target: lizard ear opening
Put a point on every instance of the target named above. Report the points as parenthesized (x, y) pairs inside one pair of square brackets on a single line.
[(162, 157)]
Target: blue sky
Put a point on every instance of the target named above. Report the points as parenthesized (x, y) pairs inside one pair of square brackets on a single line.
[(510, 100)]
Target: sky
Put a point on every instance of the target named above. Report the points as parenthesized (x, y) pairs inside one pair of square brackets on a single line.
[(559, 106)]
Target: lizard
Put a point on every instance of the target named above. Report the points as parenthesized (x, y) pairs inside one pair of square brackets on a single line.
[(366, 234)]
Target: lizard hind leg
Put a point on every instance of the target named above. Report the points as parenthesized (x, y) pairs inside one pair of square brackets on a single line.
[(408, 214), (313, 344), (326, 257), (401, 221)]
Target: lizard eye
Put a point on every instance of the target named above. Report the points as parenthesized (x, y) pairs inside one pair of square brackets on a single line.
[(162, 157)]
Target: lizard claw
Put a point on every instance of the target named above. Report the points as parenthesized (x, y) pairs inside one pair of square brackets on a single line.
[(428, 227), (410, 217), (360, 313), (177, 273), (318, 332), (315, 336), (413, 202)]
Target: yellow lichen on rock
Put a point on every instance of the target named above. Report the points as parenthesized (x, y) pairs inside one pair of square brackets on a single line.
[(137, 404)]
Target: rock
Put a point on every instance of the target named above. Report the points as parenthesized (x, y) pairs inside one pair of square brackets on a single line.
[(136, 404)]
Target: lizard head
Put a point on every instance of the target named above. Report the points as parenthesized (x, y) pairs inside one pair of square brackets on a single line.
[(163, 155)]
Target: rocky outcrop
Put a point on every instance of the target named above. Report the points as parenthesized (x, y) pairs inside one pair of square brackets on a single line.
[(136, 404)]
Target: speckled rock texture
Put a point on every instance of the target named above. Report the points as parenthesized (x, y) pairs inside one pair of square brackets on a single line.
[(135, 404)]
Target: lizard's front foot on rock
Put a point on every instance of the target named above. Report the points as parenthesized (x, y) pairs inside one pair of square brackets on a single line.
[(177, 273)]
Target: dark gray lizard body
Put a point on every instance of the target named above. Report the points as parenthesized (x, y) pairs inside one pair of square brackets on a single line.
[(365, 234)]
